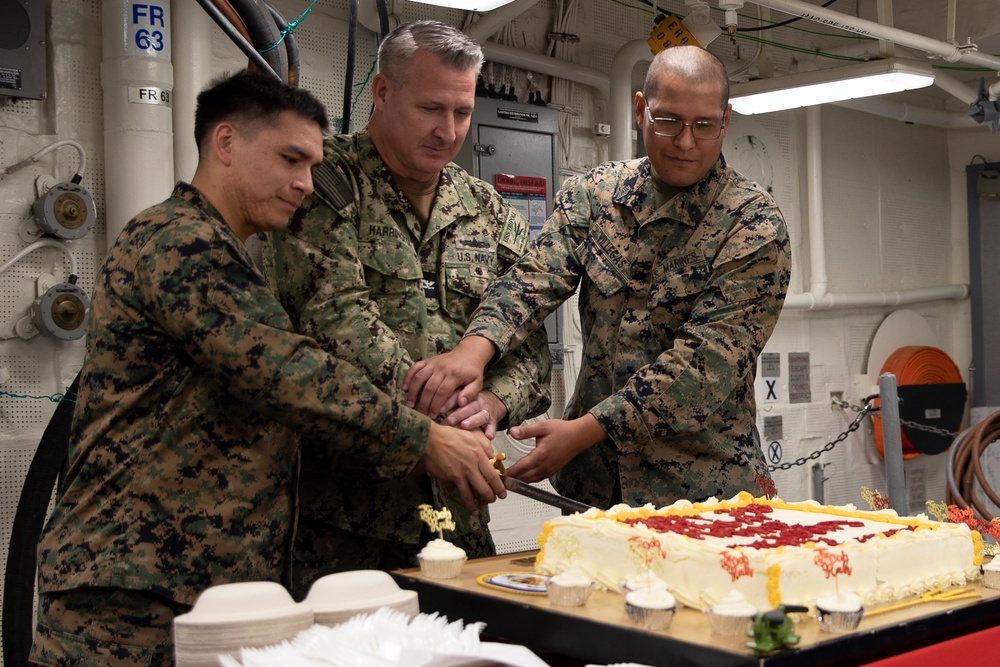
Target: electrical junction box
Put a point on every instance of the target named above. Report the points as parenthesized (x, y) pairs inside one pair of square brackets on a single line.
[(513, 147), (22, 48)]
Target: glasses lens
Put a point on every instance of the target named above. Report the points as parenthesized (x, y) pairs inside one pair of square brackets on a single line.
[(705, 130), (671, 127), (667, 127)]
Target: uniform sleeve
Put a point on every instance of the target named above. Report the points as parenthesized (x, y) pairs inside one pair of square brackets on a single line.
[(231, 323), (315, 267), (515, 306), (521, 378), (716, 348)]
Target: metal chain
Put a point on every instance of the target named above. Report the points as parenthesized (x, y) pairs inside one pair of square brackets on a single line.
[(854, 426), (930, 429)]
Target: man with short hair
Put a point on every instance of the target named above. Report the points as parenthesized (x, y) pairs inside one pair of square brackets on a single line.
[(384, 265), (193, 388), (682, 267)]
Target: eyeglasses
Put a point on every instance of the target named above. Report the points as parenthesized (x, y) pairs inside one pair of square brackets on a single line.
[(672, 127)]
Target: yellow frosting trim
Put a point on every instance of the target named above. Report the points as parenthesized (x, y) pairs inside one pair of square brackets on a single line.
[(977, 548), (774, 585), (743, 498), (542, 539)]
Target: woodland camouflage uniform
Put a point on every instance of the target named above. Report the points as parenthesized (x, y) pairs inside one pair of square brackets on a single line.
[(182, 448), (676, 302), (356, 271)]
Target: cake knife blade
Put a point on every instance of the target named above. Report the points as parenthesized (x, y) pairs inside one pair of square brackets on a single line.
[(541, 495), (533, 492)]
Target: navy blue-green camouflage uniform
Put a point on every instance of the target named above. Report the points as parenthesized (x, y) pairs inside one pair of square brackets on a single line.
[(676, 302), (183, 444), (357, 271)]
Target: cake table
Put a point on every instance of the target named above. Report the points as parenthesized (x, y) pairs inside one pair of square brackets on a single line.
[(600, 632)]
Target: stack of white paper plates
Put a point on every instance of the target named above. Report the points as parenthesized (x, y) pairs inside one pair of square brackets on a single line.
[(338, 597), (228, 617)]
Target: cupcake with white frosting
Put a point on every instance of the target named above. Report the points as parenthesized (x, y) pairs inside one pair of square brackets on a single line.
[(440, 559), (570, 588), (641, 582), (991, 573), (732, 615), (839, 613), (651, 608)]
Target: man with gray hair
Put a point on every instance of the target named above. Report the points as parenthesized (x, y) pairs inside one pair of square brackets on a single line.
[(681, 265), (384, 265)]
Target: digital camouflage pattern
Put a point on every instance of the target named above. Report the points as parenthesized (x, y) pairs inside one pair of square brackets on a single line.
[(182, 446), (105, 627), (373, 288), (676, 303)]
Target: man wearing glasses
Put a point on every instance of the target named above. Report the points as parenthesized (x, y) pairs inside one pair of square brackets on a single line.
[(682, 267)]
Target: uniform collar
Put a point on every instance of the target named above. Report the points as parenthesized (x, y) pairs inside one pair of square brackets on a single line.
[(690, 206), (193, 196), (453, 191)]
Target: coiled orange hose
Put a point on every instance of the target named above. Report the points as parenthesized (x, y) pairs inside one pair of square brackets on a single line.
[(915, 364)]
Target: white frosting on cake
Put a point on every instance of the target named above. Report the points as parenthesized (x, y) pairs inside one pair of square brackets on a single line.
[(439, 549), (993, 565), (734, 604), (919, 554), (845, 602)]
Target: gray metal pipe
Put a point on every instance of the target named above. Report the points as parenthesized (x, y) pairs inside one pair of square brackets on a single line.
[(892, 443)]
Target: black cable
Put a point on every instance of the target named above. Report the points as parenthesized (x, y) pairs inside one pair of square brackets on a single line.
[(345, 120), (291, 46), (263, 33), (383, 19), (778, 25), (237, 38), (47, 465), (766, 27)]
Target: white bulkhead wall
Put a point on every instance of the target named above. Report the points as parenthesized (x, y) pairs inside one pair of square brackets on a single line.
[(893, 200)]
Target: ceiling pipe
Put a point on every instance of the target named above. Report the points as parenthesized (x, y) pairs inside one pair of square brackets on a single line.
[(907, 113), (946, 50), (492, 21), (954, 87), (137, 79), (509, 55), (192, 31), (620, 104), (818, 280)]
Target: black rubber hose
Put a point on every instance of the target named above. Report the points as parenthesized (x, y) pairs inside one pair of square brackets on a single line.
[(291, 46), (22, 553), (345, 120), (383, 19), (233, 34), (263, 33)]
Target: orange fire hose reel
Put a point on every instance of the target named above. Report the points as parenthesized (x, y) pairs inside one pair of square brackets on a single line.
[(931, 392)]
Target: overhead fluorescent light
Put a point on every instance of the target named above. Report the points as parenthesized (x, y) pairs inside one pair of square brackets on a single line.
[(467, 5), (876, 77)]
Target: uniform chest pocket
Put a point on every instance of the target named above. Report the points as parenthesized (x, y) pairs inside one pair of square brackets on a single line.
[(604, 266), (393, 276), (677, 282), (468, 279), (465, 284)]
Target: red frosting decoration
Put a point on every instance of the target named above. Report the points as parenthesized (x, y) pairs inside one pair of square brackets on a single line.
[(751, 521)]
